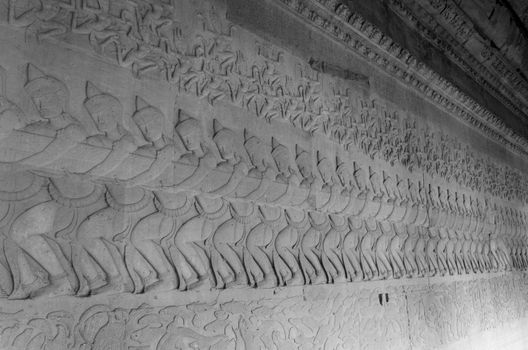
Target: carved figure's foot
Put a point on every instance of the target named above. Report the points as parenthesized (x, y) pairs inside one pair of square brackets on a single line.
[(319, 278), (340, 278), (296, 280), (24, 291), (269, 281), (167, 281), (195, 283)]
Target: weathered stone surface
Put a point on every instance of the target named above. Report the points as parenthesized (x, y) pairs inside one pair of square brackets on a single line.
[(174, 176)]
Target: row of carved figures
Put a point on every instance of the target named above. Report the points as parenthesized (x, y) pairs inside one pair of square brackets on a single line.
[(221, 162), (62, 236), (209, 67)]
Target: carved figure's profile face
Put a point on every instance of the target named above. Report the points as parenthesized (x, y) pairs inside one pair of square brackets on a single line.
[(433, 193), (361, 178), (443, 196), (49, 96), (376, 182), (403, 188), (192, 140), (413, 192), (150, 122), (258, 152), (303, 163), (105, 111), (281, 156), (325, 170), (190, 134), (344, 176), (390, 185), (224, 141)]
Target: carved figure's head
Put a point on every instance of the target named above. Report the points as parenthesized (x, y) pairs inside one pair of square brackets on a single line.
[(104, 109), (361, 177), (258, 151), (49, 95), (281, 156), (228, 144), (325, 168), (304, 163), (190, 132), (344, 174), (150, 121)]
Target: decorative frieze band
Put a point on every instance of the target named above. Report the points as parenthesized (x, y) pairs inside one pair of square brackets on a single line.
[(372, 317)]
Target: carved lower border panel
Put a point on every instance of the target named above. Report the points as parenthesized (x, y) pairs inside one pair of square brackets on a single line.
[(420, 316)]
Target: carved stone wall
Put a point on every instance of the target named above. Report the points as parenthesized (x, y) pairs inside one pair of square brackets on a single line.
[(170, 180)]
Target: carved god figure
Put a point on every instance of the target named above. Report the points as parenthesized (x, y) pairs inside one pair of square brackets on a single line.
[(191, 241), (230, 147), (147, 260), (324, 166), (106, 112), (11, 116), (260, 237), (198, 151), (311, 242), (331, 249), (361, 181), (286, 256), (345, 174), (36, 261), (259, 153), (98, 250), (282, 159), (151, 122), (227, 265), (376, 185), (304, 164), (351, 250), (50, 97)]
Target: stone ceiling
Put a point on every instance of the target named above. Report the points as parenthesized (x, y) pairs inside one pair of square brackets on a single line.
[(479, 46)]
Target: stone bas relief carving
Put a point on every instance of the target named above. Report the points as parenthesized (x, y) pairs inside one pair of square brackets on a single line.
[(185, 208), (205, 61), (110, 201), (347, 319)]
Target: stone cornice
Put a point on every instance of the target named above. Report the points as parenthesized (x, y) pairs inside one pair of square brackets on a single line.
[(489, 70), (362, 37)]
